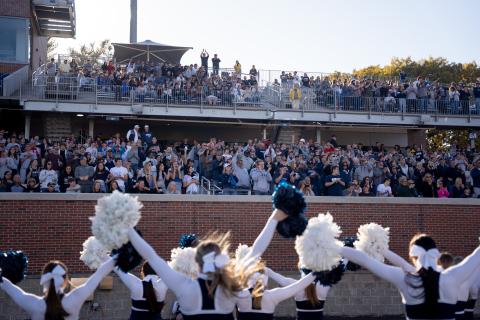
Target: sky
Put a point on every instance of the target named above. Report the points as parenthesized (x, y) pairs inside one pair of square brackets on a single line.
[(304, 35)]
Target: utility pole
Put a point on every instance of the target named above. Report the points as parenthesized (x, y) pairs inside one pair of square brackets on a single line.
[(133, 21)]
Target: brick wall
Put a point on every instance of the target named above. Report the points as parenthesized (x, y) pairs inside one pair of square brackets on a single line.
[(10, 67), (15, 8), (54, 227)]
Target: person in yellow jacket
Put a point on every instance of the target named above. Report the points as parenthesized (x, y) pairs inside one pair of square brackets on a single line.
[(295, 97), (238, 69)]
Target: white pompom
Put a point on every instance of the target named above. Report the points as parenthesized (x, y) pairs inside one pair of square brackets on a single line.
[(242, 251), (318, 248), (183, 260), (114, 215), (373, 240), (94, 253)]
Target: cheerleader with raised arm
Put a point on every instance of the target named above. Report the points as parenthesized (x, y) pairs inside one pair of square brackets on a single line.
[(213, 295), (147, 293), (55, 304), (426, 293)]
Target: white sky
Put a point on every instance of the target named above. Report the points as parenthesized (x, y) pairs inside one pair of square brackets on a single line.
[(306, 35)]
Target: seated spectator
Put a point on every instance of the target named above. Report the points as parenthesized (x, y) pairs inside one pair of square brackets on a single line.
[(100, 175), (306, 187), (428, 187), (353, 189), (32, 186), (66, 174), (97, 186), (442, 191), (140, 187), (366, 191), (113, 185), (384, 189), (17, 184), (51, 188), (457, 189), (73, 187), (172, 188), (119, 174)]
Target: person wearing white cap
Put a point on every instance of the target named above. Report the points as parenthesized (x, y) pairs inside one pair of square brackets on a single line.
[(147, 135), (134, 134)]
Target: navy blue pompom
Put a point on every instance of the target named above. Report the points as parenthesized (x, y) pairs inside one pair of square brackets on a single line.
[(348, 242), (291, 201), (328, 278), (14, 265), (187, 240), (128, 258)]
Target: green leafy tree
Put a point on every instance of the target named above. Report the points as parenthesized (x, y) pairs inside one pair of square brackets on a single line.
[(92, 51), (52, 45)]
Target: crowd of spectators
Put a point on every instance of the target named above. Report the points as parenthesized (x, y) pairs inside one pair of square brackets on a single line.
[(161, 82), (139, 163), (421, 95)]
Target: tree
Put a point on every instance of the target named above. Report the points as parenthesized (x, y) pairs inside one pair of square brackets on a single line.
[(433, 68), (441, 139), (52, 45), (92, 51)]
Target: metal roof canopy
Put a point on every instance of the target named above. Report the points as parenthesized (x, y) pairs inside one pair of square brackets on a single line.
[(55, 18), (148, 51)]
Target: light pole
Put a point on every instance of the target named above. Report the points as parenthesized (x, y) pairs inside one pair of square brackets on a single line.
[(133, 21)]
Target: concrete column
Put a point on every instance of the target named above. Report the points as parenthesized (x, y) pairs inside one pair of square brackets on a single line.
[(133, 21), (28, 119), (318, 135), (264, 133), (91, 126)]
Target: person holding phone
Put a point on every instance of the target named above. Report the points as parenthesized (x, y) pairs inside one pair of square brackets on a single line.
[(334, 183)]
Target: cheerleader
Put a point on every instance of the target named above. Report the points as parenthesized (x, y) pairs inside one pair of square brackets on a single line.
[(262, 302), (473, 296), (147, 294), (427, 293), (310, 301), (56, 304), (213, 295)]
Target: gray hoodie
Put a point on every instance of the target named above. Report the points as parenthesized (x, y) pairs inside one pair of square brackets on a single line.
[(261, 180)]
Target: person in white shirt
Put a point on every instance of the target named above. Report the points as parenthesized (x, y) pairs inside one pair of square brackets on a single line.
[(384, 189), (119, 174), (191, 181)]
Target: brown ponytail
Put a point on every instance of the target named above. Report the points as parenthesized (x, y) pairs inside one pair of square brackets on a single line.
[(148, 290), (53, 301), (311, 293), (257, 294)]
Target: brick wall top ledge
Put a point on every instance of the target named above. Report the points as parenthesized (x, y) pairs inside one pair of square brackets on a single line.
[(251, 199)]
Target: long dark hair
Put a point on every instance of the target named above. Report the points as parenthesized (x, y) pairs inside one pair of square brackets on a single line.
[(53, 300), (149, 291), (426, 278)]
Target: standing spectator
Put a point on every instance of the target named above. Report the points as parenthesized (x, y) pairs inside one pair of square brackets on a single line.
[(66, 174), (64, 68), (253, 72), (242, 174), (261, 179), (84, 174), (191, 180), (134, 134), (295, 97), (475, 174), (47, 176), (133, 157), (334, 183), (476, 95), (160, 186), (119, 174), (216, 64), (73, 187), (238, 69), (51, 68), (363, 171), (204, 59), (147, 135), (228, 181), (384, 189)]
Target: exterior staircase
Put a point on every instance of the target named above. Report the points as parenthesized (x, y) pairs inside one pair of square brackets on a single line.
[(57, 126)]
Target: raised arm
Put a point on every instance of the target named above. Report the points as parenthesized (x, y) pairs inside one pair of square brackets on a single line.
[(32, 304), (173, 279), (398, 261), (78, 295), (280, 294), (265, 237), (278, 278), (129, 280), (462, 271), (391, 274)]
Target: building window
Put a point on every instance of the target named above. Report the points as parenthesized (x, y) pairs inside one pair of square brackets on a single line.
[(14, 43)]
